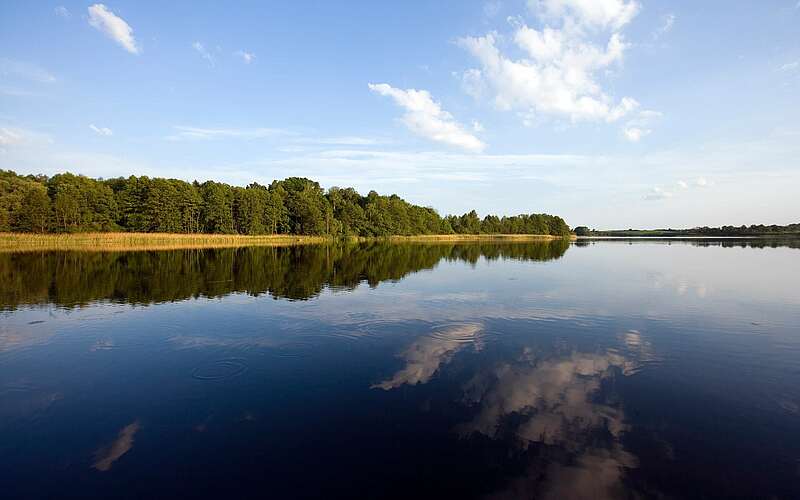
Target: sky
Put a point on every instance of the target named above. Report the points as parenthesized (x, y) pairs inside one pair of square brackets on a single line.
[(610, 113)]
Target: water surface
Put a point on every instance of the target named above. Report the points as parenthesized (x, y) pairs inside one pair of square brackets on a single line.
[(609, 369)]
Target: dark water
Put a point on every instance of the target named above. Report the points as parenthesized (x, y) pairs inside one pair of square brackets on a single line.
[(602, 370)]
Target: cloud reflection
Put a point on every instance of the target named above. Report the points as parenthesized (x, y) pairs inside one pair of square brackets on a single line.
[(555, 403), (425, 355), (106, 456)]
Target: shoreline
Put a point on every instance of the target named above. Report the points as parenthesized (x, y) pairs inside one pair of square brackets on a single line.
[(695, 237), (128, 242)]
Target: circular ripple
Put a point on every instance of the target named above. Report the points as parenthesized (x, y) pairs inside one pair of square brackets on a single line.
[(221, 369), (456, 332)]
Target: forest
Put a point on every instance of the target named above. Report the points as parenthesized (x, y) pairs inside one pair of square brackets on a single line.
[(69, 203)]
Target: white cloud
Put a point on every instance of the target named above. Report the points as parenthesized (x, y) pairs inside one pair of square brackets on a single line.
[(639, 126), (26, 71), (205, 54), (11, 136), (604, 14), (113, 27), (247, 57), (104, 131), (14, 92), (558, 76), (473, 83), (205, 134), (634, 134), (658, 193), (341, 141), (425, 117), (62, 11), (477, 126), (791, 66), (666, 26)]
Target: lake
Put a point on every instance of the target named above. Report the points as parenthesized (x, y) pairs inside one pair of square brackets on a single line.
[(589, 369)]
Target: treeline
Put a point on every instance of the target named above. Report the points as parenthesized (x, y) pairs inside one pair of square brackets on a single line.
[(67, 203), (725, 231), (752, 230), (71, 279)]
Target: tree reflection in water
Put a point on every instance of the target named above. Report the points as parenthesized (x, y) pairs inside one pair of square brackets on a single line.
[(297, 273)]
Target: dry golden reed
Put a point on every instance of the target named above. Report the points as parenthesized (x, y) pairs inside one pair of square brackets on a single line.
[(122, 242)]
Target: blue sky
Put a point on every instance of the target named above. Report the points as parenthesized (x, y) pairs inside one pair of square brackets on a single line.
[(611, 113)]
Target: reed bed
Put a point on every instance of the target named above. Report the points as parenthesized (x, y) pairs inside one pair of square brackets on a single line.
[(124, 242), (471, 237)]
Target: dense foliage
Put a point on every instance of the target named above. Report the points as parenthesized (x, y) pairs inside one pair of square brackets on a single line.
[(74, 203)]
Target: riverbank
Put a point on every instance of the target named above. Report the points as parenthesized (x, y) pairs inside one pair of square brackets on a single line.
[(123, 242)]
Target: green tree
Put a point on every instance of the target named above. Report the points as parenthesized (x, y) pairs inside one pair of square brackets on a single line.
[(218, 207), (34, 213)]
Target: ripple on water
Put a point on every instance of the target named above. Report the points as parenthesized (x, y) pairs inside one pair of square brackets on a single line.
[(459, 333), (293, 349), (221, 369)]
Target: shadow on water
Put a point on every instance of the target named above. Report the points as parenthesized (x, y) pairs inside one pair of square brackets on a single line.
[(70, 279)]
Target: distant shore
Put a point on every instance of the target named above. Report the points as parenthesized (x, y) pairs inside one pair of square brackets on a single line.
[(121, 242)]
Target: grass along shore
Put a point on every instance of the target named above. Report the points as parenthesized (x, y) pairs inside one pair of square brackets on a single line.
[(122, 242)]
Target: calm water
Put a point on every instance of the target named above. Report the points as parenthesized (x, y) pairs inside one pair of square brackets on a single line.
[(613, 369)]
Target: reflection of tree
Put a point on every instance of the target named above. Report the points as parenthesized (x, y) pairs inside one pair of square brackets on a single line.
[(554, 404), (300, 272)]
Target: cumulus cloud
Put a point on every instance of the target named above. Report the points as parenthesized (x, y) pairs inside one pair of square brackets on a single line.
[(113, 27), (603, 14), (634, 134), (425, 117), (640, 126), (204, 53), (104, 131), (558, 76), (472, 83), (247, 57)]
